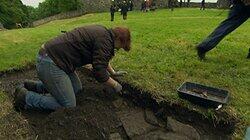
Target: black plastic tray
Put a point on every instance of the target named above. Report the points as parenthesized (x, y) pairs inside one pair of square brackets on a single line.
[(203, 95)]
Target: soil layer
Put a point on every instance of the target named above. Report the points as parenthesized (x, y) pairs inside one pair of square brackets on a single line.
[(101, 114)]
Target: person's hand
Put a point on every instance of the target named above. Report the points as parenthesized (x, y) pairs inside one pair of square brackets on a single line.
[(119, 73), (114, 86), (117, 87), (89, 67)]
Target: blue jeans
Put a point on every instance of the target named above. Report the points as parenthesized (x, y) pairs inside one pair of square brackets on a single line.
[(62, 87), (237, 16), (247, 137)]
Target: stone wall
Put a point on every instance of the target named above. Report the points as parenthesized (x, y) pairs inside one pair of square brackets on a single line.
[(1, 26), (88, 6), (58, 16), (207, 5), (91, 6), (223, 3)]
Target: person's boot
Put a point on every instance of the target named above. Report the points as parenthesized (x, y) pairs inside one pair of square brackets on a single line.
[(32, 86), (19, 98), (248, 56), (201, 53)]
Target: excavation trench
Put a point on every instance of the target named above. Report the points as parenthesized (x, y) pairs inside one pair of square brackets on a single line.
[(101, 114)]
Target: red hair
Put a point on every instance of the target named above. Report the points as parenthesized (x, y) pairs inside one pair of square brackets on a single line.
[(123, 35)]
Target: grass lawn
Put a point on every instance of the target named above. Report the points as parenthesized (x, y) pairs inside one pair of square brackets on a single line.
[(163, 54)]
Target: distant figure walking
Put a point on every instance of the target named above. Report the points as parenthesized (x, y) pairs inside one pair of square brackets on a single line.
[(124, 10), (188, 3), (148, 3), (239, 13), (153, 6), (171, 4), (131, 5), (112, 12), (202, 5), (143, 6)]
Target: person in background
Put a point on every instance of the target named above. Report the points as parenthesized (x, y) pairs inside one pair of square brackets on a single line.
[(112, 12), (180, 3), (202, 5), (124, 10), (238, 14), (153, 6), (143, 6), (171, 4), (188, 3), (131, 5), (58, 59), (146, 5)]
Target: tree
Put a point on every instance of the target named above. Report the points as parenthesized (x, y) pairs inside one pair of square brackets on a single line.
[(12, 12), (53, 7)]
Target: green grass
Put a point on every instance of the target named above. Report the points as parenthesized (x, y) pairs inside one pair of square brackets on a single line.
[(163, 54)]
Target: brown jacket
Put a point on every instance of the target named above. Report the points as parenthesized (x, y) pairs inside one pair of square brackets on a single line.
[(92, 44)]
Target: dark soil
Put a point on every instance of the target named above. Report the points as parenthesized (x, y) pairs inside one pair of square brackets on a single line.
[(101, 114)]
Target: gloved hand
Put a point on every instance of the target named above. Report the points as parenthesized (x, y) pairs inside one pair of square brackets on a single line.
[(119, 73), (117, 87), (89, 67)]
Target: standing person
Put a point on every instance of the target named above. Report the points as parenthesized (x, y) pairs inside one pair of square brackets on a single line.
[(142, 3), (131, 5), (147, 5), (188, 3), (153, 6), (202, 5), (58, 59), (143, 6), (180, 3), (112, 12), (238, 14), (171, 4), (124, 10), (120, 3)]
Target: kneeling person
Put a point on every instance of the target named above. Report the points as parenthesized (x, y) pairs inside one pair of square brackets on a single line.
[(58, 59)]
